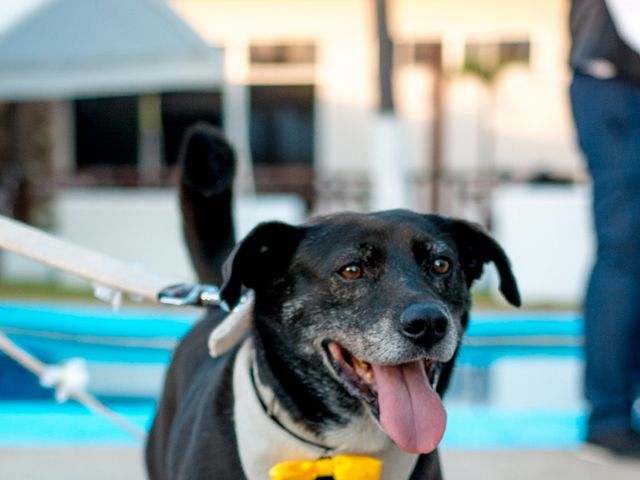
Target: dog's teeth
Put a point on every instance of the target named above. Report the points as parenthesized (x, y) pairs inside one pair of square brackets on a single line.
[(432, 370), (363, 369), (360, 365), (435, 375)]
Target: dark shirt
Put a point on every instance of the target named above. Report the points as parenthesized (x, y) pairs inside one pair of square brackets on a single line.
[(596, 48)]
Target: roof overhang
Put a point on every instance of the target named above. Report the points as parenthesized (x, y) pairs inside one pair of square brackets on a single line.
[(111, 79), (91, 48)]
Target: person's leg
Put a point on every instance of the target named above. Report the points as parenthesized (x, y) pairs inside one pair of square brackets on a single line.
[(607, 116), (611, 311)]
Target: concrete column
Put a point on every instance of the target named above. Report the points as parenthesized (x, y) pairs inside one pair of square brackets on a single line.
[(236, 110), (150, 138), (387, 168), (62, 131)]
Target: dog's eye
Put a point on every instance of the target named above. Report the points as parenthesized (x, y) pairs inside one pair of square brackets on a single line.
[(353, 271), (440, 266)]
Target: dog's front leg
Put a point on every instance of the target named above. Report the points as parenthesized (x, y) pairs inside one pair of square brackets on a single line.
[(427, 468)]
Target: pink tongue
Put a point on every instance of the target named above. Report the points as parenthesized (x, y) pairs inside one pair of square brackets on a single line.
[(411, 413)]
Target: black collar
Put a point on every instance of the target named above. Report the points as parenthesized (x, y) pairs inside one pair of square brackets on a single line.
[(270, 414)]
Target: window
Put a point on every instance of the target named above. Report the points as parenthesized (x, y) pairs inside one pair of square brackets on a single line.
[(428, 54), (486, 58), (180, 111), (421, 53), (282, 139), (110, 138), (281, 128), (107, 132), (303, 53), (514, 52)]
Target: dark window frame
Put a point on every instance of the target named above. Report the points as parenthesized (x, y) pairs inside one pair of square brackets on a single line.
[(302, 53)]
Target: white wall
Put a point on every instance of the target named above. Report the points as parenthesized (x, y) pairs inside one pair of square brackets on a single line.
[(547, 233), (537, 383), (534, 126), (545, 230), (521, 122), (142, 227), (342, 30)]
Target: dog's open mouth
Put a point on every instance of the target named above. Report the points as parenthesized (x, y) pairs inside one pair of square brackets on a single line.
[(403, 396)]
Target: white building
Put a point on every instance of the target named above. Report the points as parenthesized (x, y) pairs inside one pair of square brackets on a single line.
[(502, 67), (96, 95), (493, 72), (298, 99)]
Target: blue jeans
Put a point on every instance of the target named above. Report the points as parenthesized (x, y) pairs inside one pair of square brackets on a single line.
[(607, 117)]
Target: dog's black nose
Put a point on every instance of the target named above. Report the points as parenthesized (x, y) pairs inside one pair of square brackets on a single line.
[(424, 323)]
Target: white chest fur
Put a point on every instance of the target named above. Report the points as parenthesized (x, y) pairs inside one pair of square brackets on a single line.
[(263, 444)]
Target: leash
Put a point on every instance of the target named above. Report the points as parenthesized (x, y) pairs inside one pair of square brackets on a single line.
[(109, 276), (69, 380)]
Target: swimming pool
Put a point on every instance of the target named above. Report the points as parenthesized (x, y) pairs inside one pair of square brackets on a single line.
[(493, 402)]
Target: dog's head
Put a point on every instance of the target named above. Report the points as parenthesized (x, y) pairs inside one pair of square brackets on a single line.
[(371, 307)]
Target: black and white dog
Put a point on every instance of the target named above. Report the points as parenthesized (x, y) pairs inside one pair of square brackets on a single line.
[(356, 323)]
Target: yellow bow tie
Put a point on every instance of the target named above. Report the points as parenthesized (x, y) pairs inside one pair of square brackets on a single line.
[(342, 467)]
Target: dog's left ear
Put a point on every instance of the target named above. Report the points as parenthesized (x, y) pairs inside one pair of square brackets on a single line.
[(477, 247), (262, 257)]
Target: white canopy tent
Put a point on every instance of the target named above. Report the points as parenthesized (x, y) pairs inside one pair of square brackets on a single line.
[(56, 49)]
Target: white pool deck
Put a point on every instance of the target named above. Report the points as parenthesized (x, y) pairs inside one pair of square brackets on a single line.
[(123, 463)]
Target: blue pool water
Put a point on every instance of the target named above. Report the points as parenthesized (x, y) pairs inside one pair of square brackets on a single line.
[(49, 424), (144, 338)]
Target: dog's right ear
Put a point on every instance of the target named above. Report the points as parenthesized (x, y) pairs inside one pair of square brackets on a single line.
[(262, 257), (476, 248)]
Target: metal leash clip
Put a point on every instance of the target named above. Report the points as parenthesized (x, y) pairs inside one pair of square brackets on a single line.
[(184, 294)]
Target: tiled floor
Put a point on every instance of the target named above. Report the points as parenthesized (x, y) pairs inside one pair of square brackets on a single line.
[(103, 463)]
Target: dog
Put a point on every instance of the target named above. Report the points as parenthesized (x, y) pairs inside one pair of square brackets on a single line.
[(356, 321)]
